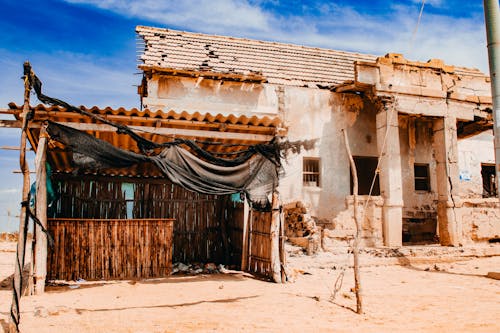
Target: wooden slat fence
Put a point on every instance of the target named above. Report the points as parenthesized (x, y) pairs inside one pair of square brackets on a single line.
[(95, 249), (259, 255), (199, 218), (234, 218)]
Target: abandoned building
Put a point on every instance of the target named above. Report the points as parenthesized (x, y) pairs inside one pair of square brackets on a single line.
[(131, 211), (418, 117)]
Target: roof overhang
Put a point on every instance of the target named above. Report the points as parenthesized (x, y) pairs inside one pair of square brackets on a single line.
[(218, 134), (208, 74)]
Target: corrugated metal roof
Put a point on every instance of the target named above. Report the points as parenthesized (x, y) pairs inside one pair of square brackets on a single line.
[(204, 128), (277, 62)]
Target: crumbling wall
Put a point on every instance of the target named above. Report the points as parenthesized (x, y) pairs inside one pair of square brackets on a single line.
[(471, 153), (321, 114), (206, 95), (343, 228), (480, 219)]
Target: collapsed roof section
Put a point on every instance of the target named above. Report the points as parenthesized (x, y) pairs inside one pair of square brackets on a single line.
[(430, 89), (194, 54)]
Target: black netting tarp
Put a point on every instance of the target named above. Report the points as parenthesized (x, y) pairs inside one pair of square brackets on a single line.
[(256, 176)]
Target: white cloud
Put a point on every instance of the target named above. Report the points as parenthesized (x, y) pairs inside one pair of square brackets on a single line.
[(458, 41), (222, 14)]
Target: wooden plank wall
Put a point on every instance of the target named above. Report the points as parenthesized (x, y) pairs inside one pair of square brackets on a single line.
[(94, 249), (234, 218), (259, 255), (198, 217)]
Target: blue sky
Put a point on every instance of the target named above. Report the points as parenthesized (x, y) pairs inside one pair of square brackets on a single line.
[(84, 51)]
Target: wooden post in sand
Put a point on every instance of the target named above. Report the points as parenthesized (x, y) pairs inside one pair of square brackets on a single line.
[(23, 215), (275, 239), (357, 278), (246, 226), (41, 213)]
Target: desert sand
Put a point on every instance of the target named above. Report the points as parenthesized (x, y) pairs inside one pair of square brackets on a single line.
[(431, 293)]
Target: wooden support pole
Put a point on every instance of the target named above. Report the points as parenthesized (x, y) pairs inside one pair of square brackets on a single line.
[(223, 230), (23, 216), (357, 278), (275, 239), (41, 213), (282, 246), (245, 243)]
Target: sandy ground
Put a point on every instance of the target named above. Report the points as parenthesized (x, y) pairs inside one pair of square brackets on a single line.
[(431, 294)]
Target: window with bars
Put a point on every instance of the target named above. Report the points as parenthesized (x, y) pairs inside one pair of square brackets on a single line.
[(311, 171), (422, 179)]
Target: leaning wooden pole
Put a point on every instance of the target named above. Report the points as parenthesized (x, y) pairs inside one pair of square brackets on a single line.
[(41, 212), (357, 278), (23, 216)]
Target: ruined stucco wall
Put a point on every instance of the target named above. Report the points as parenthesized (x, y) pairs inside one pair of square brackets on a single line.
[(210, 96), (315, 113), (320, 114), (344, 227), (471, 153)]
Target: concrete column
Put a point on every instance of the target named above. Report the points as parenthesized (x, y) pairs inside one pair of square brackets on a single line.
[(447, 176), (391, 187)]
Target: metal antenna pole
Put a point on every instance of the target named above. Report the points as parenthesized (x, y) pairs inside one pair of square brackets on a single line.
[(492, 19)]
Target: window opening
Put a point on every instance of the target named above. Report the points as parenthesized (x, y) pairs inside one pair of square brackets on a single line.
[(422, 179), (366, 167), (489, 180), (310, 171)]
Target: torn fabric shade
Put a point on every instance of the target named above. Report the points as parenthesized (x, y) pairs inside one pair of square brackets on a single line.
[(257, 177)]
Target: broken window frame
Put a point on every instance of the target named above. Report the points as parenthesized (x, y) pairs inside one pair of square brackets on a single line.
[(311, 171), (422, 179)]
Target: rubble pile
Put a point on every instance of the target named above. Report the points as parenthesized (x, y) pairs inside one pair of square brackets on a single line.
[(197, 268), (298, 223), (300, 227)]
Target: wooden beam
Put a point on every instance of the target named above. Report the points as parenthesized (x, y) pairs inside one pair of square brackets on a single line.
[(174, 132), (252, 77), (13, 148), (10, 123), (41, 213)]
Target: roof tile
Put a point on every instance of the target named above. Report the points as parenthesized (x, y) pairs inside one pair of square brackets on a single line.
[(277, 62)]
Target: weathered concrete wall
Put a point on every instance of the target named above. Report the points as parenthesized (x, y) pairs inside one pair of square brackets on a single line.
[(415, 135), (315, 113), (480, 219), (344, 227), (210, 96), (471, 153)]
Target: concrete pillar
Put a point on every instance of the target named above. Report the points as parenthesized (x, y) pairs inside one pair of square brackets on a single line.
[(390, 176), (447, 176)]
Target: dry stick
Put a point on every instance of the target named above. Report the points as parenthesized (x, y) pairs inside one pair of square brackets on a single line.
[(21, 242), (357, 278)]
